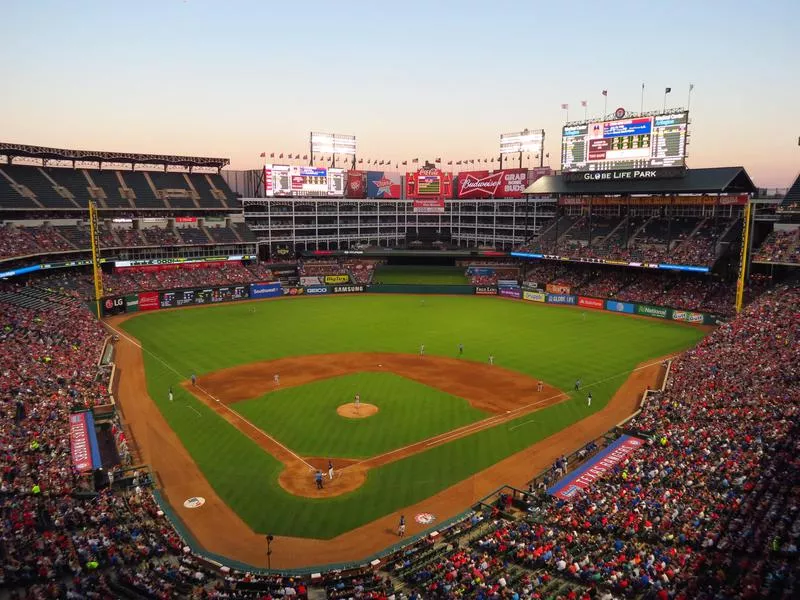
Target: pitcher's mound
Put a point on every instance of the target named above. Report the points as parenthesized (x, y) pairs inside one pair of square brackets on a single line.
[(349, 410)]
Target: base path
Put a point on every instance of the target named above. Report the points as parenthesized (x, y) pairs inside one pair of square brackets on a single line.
[(220, 530)]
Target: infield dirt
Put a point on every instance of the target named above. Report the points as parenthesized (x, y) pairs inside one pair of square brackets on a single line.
[(220, 530)]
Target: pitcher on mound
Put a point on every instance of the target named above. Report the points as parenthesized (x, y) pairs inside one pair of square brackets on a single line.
[(357, 401)]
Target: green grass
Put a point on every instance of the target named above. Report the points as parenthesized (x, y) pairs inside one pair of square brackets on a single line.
[(546, 342), (421, 275), (408, 412)]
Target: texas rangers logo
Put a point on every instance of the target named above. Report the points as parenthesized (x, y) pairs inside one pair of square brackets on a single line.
[(425, 518), (483, 186), (384, 186)]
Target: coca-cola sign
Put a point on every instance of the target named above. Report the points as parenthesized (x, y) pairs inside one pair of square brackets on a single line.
[(508, 183)]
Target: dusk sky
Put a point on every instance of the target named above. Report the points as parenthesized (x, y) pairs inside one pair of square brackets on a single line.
[(409, 79)]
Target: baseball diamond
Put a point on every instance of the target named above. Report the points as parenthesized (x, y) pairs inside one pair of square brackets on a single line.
[(256, 442)]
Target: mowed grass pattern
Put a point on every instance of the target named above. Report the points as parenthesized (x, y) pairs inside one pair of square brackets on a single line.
[(552, 343), (304, 418)]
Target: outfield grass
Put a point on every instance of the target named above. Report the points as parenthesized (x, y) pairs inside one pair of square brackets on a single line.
[(304, 418), (552, 343), (414, 275)]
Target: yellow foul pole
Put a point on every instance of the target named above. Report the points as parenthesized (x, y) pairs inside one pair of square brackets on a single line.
[(98, 274), (743, 259)]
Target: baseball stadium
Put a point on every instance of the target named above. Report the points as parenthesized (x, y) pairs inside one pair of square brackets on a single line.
[(333, 376)]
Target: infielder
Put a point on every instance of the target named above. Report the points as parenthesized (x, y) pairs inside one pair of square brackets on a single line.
[(540, 386), (589, 399), (276, 379), (422, 349), (194, 379), (170, 393)]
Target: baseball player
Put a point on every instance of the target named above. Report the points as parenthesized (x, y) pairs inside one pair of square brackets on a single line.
[(461, 349), (318, 479), (330, 470), (540, 386), (401, 528), (276, 379), (422, 349), (170, 394), (491, 359), (578, 384), (589, 399), (194, 380), (357, 401)]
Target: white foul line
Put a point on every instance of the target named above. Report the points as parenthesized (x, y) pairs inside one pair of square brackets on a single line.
[(190, 407), (222, 405), (521, 424)]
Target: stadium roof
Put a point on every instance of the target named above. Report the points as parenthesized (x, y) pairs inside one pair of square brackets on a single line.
[(717, 180), (41, 152)]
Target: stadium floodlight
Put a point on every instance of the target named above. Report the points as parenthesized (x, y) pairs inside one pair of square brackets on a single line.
[(527, 140), (333, 144)]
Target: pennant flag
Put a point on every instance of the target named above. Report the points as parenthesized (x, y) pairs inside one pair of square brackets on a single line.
[(583, 103), (272, 155), (405, 162), (263, 155), (458, 162), (416, 160), (564, 106), (691, 87), (668, 90), (360, 160), (605, 92), (438, 160), (305, 156), (280, 155), (449, 162)]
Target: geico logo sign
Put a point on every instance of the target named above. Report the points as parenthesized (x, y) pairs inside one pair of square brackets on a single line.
[(317, 290)]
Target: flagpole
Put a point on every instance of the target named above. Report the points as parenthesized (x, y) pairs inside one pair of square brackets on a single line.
[(585, 111), (641, 106), (689, 100), (665, 102), (605, 105)]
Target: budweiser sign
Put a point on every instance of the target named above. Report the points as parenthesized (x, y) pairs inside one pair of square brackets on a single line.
[(508, 183)]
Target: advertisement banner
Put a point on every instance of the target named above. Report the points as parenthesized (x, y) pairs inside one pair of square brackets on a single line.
[(148, 301), (132, 303), (384, 185), (653, 311), (561, 299), (590, 302), (429, 187), (113, 306), (558, 288), (334, 279), (79, 442), (596, 467), (511, 292), (315, 280), (485, 290), (687, 317), (508, 283), (623, 307), (348, 289), (356, 186), (316, 290), (534, 296), (537, 172), (293, 291), (508, 183), (265, 290)]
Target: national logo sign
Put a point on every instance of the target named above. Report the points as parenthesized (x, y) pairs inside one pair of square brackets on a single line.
[(424, 518)]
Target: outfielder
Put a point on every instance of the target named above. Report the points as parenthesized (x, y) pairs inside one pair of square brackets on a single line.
[(491, 359), (422, 349), (589, 399), (170, 393)]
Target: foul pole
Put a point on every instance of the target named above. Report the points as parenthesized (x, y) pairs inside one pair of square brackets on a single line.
[(94, 230), (744, 257)]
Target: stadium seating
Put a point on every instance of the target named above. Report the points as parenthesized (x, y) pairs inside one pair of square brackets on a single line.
[(780, 246)]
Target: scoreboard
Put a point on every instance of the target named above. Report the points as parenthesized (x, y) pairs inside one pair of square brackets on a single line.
[(648, 142)]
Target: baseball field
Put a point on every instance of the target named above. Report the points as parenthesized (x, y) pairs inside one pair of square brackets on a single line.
[(424, 424)]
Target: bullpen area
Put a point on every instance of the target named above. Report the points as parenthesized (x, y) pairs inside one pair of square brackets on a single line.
[(421, 405)]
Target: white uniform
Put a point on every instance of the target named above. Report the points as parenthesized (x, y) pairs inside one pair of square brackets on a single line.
[(491, 359), (277, 379), (358, 401), (422, 350), (170, 395)]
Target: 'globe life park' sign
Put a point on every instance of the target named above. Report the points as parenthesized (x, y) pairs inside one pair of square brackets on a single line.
[(626, 175)]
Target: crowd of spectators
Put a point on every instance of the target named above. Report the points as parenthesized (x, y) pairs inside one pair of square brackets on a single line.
[(780, 247), (708, 508), (61, 535)]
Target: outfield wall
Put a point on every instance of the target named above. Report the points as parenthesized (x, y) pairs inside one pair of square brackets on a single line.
[(198, 296)]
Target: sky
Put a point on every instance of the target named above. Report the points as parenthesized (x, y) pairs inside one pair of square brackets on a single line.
[(409, 79)]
